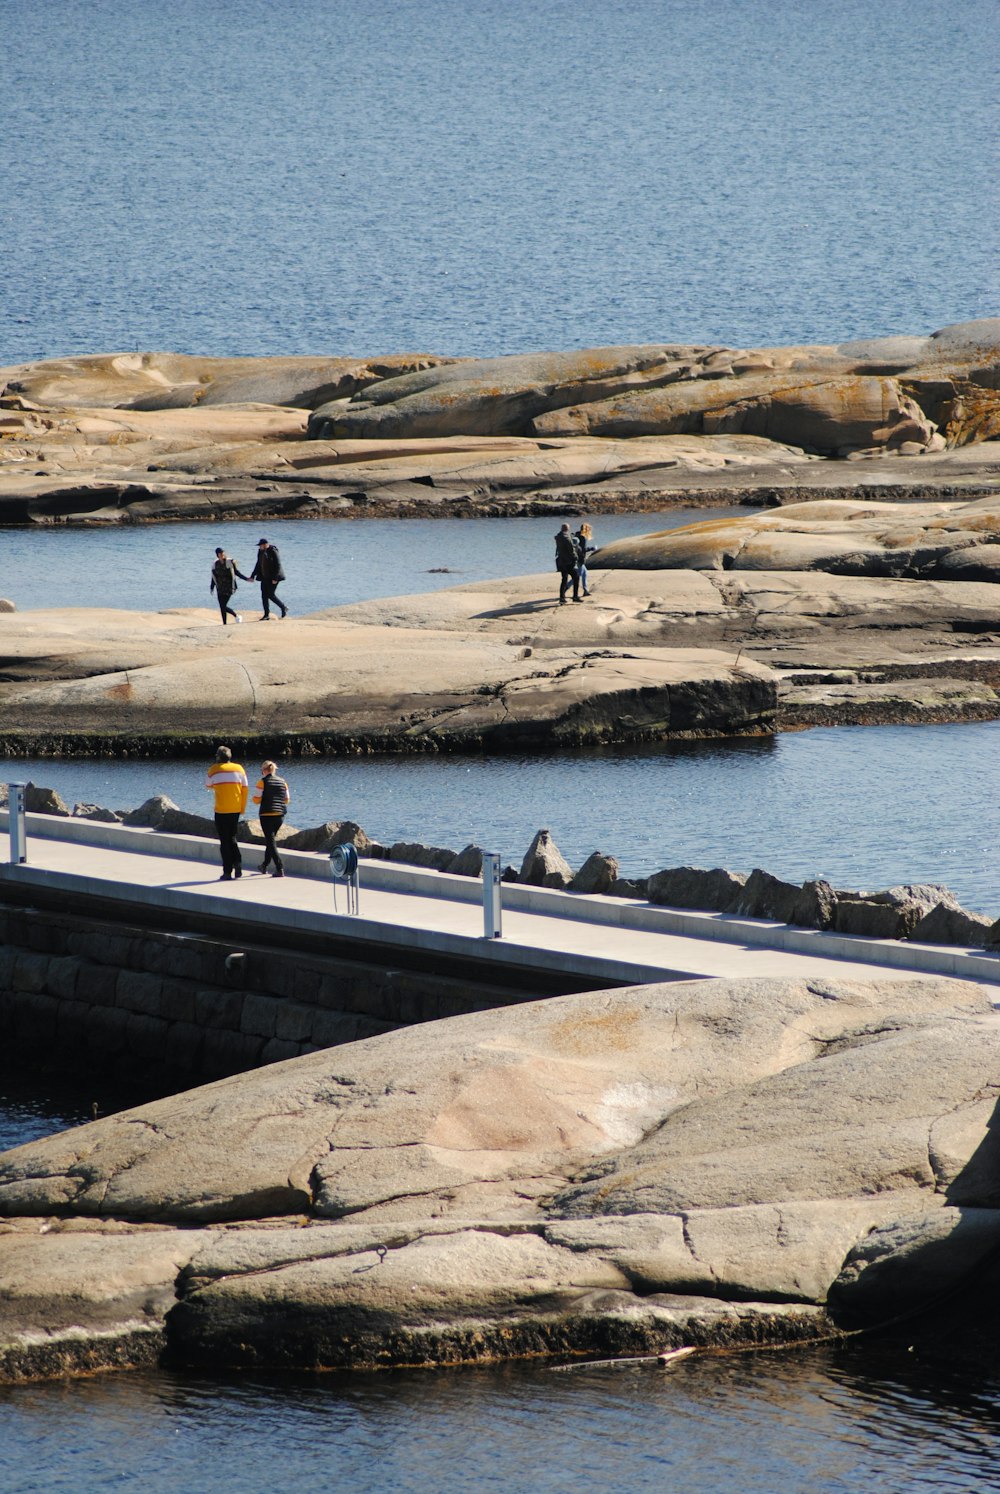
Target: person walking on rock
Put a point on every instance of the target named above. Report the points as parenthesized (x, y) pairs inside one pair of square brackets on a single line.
[(567, 564), (584, 536), (228, 782), (223, 583), (268, 572), (273, 795)]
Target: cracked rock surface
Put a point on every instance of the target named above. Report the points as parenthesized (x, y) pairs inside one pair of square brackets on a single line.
[(610, 1171)]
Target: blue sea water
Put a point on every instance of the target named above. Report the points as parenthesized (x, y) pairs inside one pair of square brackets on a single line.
[(249, 177), (259, 178)]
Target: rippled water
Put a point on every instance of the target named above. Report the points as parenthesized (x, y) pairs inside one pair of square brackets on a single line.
[(874, 1417), (244, 177)]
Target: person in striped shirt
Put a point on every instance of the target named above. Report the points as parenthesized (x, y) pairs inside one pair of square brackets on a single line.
[(228, 781), (273, 796)]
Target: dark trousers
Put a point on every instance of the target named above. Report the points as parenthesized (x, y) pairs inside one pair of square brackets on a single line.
[(270, 824), (566, 577), (224, 607), (226, 826), (269, 594)]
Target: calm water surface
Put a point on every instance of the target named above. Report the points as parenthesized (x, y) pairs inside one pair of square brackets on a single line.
[(244, 177), (151, 567)]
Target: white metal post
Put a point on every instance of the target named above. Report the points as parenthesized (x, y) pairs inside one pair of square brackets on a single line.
[(15, 823), (492, 906)]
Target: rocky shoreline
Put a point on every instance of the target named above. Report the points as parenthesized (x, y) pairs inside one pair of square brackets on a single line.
[(145, 437)]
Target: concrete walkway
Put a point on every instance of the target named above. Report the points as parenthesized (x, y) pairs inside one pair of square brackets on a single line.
[(601, 940)]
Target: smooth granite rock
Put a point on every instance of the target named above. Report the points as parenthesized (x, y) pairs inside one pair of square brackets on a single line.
[(329, 683), (604, 1172), (146, 436)]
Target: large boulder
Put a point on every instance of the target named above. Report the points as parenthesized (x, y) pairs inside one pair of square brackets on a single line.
[(324, 837), (598, 874), (716, 891), (949, 923), (764, 896), (436, 858), (544, 865), (892, 914), (150, 814), (38, 800), (467, 863)]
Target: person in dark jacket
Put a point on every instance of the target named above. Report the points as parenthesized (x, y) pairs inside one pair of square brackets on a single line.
[(223, 583), (273, 795), (268, 572), (567, 564)]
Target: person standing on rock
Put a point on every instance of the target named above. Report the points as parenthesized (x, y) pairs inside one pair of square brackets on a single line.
[(268, 571), (567, 564), (228, 781), (583, 536), (223, 583), (273, 795)]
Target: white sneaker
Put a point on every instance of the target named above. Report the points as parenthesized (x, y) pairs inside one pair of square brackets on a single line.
[(237, 617)]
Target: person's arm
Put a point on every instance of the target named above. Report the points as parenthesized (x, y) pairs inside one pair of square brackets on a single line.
[(257, 797), (211, 584), (244, 794)]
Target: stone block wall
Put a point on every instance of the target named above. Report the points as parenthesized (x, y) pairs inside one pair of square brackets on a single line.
[(163, 1006)]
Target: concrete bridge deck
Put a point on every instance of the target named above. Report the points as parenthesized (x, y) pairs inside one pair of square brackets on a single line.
[(405, 912)]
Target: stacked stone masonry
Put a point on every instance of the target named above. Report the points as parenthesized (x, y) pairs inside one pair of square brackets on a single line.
[(191, 1007)]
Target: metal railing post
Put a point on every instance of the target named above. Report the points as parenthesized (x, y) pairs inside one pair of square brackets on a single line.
[(492, 906), (15, 823)]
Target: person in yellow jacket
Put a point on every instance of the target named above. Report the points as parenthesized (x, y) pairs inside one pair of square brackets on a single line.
[(228, 781)]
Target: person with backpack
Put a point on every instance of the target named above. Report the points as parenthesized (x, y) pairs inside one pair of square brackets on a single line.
[(273, 795), (567, 564), (268, 571), (223, 583)]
